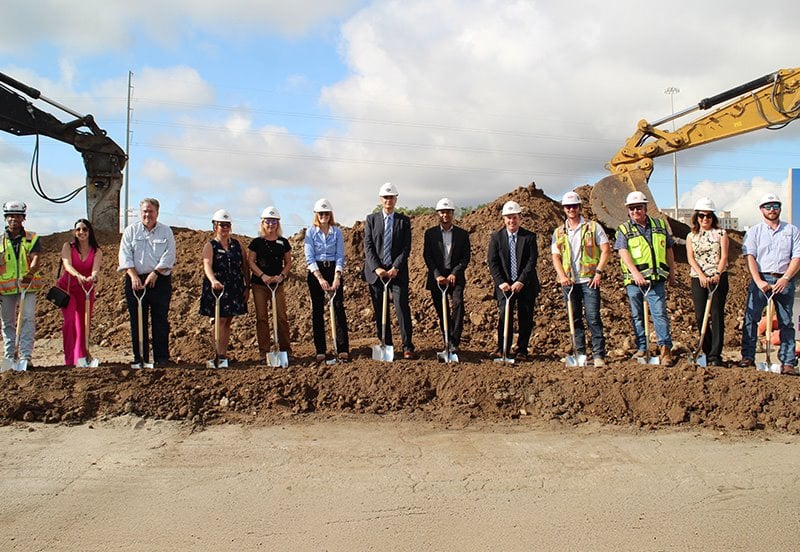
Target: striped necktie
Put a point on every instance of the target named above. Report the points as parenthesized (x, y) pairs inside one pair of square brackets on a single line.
[(387, 241), (512, 251)]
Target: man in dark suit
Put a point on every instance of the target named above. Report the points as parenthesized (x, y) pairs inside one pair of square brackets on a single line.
[(387, 245), (447, 254), (512, 263)]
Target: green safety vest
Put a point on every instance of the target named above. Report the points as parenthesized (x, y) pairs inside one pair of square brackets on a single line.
[(12, 270), (649, 259)]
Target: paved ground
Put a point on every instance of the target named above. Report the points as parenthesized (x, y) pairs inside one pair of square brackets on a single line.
[(130, 484)]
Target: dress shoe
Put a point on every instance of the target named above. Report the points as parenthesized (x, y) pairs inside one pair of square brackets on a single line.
[(746, 363), (409, 355), (788, 370)]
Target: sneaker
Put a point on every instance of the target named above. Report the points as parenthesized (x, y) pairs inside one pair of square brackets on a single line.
[(599, 363)]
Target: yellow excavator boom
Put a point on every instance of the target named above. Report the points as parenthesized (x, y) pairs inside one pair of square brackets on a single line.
[(770, 102)]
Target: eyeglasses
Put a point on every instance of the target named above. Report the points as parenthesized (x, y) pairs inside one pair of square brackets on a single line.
[(81, 229), (224, 224), (270, 222), (705, 215), (771, 206), (635, 207)]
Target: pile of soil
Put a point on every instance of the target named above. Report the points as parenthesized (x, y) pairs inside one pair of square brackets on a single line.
[(476, 388)]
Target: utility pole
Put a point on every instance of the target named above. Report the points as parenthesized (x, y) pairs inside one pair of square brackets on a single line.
[(127, 154), (671, 91)]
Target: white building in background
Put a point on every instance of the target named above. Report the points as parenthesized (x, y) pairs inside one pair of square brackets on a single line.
[(726, 221)]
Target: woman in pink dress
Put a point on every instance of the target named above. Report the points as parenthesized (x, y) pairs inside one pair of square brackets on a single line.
[(81, 259)]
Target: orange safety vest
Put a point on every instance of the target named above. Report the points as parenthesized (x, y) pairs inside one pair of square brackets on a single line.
[(589, 254)]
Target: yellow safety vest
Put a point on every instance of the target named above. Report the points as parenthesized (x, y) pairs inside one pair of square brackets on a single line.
[(589, 254), (649, 259), (14, 269)]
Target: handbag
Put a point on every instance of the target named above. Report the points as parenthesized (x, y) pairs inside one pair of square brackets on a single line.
[(56, 295)]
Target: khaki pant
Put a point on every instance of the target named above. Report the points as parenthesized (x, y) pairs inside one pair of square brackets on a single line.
[(262, 298)]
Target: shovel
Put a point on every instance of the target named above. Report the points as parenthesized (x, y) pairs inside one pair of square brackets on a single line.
[(384, 352), (17, 364), (330, 296), (447, 355), (276, 358), (573, 359), (768, 366), (217, 296), (506, 328), (647, 359), (139, 299), (700, 358), (87, 361)]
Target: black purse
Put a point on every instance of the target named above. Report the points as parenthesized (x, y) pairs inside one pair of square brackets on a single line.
[(55, 294)]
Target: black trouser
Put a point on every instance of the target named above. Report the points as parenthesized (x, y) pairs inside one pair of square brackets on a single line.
[(715, 334), (155, 306), (319, 305), (455, 320), (524, 307), (401, 308)]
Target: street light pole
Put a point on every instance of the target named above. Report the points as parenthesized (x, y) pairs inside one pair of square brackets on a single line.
[(671, 91)]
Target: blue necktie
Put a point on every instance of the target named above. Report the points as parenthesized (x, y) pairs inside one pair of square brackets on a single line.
[(512, 250), (387, 241)]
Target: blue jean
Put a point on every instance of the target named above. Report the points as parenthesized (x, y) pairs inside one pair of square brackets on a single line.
[(8, 306), (657, 301), (756, 301), (585, 298)]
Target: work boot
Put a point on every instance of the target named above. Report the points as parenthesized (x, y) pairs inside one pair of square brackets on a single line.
[(599, 362), (666, 356)]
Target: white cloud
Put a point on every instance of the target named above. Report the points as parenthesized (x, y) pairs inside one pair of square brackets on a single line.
[(740, 198)]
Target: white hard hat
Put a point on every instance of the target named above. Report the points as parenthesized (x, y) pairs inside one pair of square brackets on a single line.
[(635, 198), (14, 208), (511, 208), (323, 206), (445, 204), (705, 204), (271, 212), (769, 198), (388, 189), (571, 198), (221, 215)]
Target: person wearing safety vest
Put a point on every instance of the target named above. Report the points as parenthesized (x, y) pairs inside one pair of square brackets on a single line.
[(645, 250), (19, 260), (580, 251)]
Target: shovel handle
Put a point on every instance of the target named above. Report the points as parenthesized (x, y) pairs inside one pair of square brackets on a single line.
[(506, 322), (272, 290), (332, 315)]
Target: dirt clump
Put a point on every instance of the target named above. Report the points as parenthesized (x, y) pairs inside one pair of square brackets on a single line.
[(476, 388)]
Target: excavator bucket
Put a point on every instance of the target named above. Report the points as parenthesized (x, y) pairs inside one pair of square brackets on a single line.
[(608, 196)]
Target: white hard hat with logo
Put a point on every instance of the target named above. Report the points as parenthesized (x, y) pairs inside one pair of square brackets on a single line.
[(221, 215), (705, 204), (271, 212), (511, 208), (571, 198), (387, 189), (769, 198), (445, 204), (14, 208), (323, 206), (635, 198)]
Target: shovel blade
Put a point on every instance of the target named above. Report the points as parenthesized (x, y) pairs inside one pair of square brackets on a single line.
[(278, 360), (384, 353), (504, 360), (148, 365), (701, 361), (447, 357), (22, 365), (331, 361), (7, 364), (576, 360)]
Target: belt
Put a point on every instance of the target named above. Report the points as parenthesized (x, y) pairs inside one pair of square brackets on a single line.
[(774, 274), (326, 264)]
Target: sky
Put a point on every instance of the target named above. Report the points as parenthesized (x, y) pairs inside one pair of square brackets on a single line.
[(244, 104)]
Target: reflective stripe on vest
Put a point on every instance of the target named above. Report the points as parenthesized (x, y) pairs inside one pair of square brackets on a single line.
[(649, 259), (13, 273), (589, 254)]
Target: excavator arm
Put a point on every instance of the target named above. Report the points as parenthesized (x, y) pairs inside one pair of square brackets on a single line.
[(102, 157), (770, 102)]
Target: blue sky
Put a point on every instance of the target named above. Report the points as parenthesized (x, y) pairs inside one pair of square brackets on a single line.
[(243, 104)]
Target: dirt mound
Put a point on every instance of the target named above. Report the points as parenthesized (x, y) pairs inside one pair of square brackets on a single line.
[(623, 393)]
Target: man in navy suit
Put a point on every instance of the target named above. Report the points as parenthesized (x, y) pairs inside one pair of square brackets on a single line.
[(447, 254), (512, 263), (387, 245)]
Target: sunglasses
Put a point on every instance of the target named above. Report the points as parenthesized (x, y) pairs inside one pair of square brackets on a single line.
[(324, 213), (270, 222), (572, 206), (224, 224), (81, 229), (635, 207), (771, 206), (705, 215)]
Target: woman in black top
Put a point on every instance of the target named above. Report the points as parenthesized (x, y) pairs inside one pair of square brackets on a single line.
[(270, 260)]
